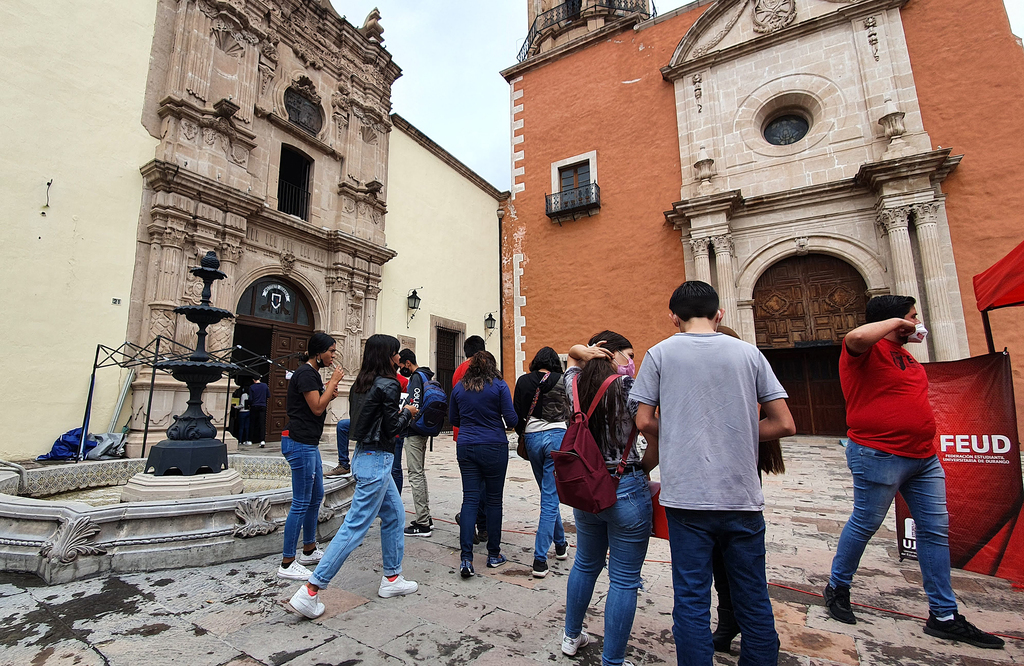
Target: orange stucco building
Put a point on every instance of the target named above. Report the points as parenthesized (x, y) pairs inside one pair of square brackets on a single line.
[(801, 156)]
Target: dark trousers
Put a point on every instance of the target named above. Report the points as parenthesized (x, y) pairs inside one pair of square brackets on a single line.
[(258, 423), (483, 468)]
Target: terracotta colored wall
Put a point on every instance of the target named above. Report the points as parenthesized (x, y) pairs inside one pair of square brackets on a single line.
[(617, 269), (969, 72)]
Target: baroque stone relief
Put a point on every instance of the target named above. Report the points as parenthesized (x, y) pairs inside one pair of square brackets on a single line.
[(773, 15)]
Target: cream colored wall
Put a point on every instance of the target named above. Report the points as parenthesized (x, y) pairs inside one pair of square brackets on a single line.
[(445, 231), (71, 90)]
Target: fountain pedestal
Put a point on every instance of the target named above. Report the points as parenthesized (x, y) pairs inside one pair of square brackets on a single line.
[(191, 462)]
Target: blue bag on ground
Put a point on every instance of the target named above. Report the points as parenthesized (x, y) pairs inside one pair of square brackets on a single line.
[(66, 446)]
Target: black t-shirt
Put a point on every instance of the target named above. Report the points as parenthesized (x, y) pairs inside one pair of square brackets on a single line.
[(304, 426)]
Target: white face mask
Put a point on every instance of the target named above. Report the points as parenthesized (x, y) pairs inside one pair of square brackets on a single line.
[(919, 334)]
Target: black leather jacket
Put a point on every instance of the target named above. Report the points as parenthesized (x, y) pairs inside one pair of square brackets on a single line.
[(377, 417)]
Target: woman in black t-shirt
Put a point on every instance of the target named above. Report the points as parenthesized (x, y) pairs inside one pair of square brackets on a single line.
[(308, 399)]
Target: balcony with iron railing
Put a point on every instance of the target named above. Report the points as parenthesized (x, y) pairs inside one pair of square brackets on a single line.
[(574, 203), (292, 199), (568, 13)]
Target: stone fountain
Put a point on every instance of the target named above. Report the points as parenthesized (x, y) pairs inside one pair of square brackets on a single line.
[(191, 462)]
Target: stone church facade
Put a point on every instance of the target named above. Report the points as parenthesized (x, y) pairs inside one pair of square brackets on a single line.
[(788, 152), (273, 120)]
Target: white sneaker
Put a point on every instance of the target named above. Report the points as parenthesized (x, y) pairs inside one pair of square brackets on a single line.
[(263, 445), (307, 604), (570, 645), (397, 587), (294, 571), (312, 558)]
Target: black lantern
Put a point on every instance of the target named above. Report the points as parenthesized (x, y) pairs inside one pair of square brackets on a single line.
[(490, 323), (414, 300)]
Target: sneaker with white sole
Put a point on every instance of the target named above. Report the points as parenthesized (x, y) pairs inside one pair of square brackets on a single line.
[(312, 558), (415, 529), (540, 568), (306, 604), (294, 571), (571, 645), (397, 587), (561, 551)]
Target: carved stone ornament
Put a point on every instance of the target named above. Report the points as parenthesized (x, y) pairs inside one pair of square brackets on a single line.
[(254, 513), (325, 514), (287, 263), (372, 29), (892, 219), (773, 15), (713, 41), (700, 246), (189, 129), (71, 540), (698, 91), (802, 244), (926, 213), (723, 244), (871, 25)]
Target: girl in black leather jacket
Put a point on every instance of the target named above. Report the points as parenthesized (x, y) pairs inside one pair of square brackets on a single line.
[(376, 419)]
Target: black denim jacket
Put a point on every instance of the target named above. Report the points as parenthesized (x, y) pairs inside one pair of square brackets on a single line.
[(377, 417)]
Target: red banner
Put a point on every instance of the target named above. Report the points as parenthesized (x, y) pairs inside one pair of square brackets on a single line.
[(977, 440)]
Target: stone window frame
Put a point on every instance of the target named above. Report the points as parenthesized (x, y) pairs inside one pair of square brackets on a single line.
[(437, 322), (814, 97), (589, 157)]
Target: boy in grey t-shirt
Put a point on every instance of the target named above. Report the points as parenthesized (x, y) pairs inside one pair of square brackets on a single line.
[(708, 387)]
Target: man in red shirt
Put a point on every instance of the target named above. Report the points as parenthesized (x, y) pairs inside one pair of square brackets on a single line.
[(892, 448), (471, 346)]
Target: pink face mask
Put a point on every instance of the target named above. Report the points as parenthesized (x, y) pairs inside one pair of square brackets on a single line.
[(628, 369)]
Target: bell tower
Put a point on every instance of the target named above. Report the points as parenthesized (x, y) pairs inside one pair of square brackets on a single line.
[(553, 23)]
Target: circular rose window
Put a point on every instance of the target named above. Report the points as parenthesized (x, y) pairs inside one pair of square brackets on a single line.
[(786, 129)]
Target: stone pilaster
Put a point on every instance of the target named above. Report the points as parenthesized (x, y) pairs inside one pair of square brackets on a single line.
[(940, 314), (896, 221), (701, 261), (726, 279)]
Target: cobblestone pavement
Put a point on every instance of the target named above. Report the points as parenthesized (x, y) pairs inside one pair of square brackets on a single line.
[(233, 614)]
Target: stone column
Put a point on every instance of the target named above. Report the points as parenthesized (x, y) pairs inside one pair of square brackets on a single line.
[(370, 309), (895, 221), (162, 320), (940, 314), (338, 288), (701, 260), (726, 279)]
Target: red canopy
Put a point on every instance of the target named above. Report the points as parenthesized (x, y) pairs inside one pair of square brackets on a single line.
[(1002, 285)]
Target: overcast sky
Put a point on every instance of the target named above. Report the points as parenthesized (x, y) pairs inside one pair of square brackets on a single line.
[(451, 51)]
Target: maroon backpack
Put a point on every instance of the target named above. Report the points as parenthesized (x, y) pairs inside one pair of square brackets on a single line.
[(581, 477)]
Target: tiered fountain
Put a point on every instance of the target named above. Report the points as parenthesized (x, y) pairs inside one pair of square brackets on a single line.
[(191, 462)]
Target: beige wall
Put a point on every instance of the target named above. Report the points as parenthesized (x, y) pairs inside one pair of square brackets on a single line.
[(71, 90), (445, 230)]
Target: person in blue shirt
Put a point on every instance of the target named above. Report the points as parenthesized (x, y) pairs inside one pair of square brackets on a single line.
[(260, 392), (481, 408)]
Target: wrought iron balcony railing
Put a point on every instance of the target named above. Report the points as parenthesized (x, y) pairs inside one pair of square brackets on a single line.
[(575, 9), (573, 203), (293, 200)]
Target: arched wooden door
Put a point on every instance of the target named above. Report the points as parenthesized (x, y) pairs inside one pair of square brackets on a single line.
[(274, 319), (803, 306)]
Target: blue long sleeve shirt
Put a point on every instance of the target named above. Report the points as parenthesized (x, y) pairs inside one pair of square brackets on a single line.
[(478, 414)]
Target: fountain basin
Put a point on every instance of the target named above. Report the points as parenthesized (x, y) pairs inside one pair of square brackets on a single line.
[(63, 540)]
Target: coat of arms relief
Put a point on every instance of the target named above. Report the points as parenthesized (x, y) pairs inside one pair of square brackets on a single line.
[(773, 15)]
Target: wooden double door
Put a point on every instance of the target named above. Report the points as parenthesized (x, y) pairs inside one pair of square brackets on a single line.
[(803, 306)]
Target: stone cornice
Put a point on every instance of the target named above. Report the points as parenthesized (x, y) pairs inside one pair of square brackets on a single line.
[(165, 176), (687, 209), (172, 105), (570, 47), (841, 16), (446, 157), (936, 164)]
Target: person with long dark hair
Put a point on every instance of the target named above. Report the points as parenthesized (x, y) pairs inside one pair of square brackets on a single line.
[(540, 405), (376, 419), (622, 531), (481, 407), (307, 403)]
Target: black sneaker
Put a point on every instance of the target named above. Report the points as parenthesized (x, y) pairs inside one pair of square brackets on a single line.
[(959, 629), (457, 518), (560, 551), (415, 529), (837, 599), (540, 568)]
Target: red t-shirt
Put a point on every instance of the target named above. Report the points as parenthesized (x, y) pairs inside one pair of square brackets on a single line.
[(887, 406), (402, 381), (457, 376)]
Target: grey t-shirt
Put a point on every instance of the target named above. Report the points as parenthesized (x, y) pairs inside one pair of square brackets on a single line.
[(708, 386)]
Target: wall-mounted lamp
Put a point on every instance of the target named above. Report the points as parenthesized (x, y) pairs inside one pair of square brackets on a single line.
[(414, 305), (490, 323)]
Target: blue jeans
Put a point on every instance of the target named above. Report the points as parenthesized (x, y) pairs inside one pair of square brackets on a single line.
[(343, 426), (621, 532), (539, 446), (375, 495), (243, 426), (877, 476), (740, 536), (307, 493), (483, 468)]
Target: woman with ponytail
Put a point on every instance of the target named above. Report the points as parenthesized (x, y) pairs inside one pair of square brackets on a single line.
[(621, 532), (376, 419), (307, 403)]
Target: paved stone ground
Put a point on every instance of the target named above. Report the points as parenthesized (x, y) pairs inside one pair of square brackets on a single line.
[(223, 614)]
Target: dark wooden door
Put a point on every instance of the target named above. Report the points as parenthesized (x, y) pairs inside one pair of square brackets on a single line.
[(803, 306), (447, 362), (287, 341), (811, 378)]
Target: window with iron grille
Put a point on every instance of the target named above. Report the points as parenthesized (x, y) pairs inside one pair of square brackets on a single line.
[(293, 182)]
